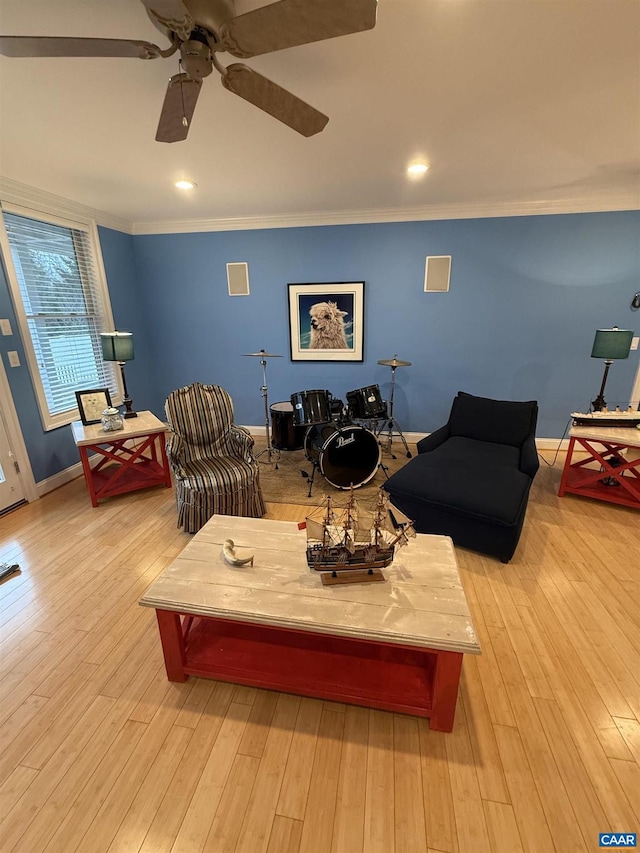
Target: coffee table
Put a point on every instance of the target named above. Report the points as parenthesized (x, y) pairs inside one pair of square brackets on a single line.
[(397, 645)]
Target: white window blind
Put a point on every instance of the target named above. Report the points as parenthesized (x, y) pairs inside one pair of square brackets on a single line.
[(64, 310)]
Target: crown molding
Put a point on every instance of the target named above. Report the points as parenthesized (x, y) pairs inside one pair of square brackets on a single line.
[(626, 201), (40, 200), (56, 205)]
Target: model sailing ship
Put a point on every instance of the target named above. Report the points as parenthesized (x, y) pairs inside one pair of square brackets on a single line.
[(354, 542), (605, 418)]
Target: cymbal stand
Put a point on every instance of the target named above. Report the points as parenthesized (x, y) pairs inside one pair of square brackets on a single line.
[(390, 423), (273, 455)]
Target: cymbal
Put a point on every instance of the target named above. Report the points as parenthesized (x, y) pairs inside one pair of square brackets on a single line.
[(262, 354), (395, 362)]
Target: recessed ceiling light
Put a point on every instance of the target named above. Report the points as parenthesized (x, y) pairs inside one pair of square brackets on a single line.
[(185, 185), (417, 170)]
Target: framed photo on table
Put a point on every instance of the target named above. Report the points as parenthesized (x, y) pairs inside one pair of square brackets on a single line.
[(326, 321), (92, 403)]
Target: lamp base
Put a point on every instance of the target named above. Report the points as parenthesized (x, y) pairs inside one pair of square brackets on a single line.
[(599, 403), (128, 403)]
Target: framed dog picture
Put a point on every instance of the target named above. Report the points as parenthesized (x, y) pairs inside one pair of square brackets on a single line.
[(92, 403), (326, 321)]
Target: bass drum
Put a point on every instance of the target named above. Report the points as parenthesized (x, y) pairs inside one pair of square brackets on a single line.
[(347, 456)]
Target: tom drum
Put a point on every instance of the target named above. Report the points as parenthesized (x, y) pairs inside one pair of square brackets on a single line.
[(311, 407), (346, 455), (285, 435), (336, 407), (366, 403)]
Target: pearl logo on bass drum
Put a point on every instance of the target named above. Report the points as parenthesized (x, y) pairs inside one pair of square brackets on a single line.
[(342, 441)]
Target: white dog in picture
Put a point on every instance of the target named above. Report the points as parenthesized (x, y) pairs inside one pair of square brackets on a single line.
[(327, 326)]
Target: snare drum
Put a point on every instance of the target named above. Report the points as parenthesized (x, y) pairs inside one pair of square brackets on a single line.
[(311, 407), (346, 456), (285, 435), (366, 403)]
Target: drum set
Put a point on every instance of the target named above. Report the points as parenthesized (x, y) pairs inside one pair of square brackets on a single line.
[(346, 453), (344, 442)]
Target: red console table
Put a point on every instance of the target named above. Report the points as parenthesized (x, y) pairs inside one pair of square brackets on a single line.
[(605, 473), (129, 459)]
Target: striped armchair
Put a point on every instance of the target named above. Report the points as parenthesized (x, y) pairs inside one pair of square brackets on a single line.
[(211, 457)]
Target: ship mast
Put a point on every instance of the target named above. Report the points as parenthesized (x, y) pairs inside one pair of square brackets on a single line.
[(349, 521), (327, 521), (381, 508)]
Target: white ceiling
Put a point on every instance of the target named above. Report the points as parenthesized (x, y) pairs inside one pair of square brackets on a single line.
[(512, 103)]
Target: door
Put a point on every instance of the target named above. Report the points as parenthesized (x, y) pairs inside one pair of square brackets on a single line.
[(11, 491)]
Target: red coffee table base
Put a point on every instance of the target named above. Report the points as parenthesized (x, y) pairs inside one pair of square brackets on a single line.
[(391, 677)]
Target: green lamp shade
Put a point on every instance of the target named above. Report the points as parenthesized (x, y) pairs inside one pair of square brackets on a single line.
[(117, 346), (612, 343)]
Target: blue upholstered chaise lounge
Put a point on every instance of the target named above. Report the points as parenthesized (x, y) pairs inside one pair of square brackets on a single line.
[(471, 478)]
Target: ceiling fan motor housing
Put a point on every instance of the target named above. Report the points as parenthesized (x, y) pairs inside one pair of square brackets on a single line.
[(174, 19), (210, 14)]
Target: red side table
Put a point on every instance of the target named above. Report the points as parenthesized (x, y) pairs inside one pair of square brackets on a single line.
[(605, 473), (128, 459)]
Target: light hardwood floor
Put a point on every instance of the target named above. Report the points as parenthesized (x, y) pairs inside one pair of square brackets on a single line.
[(99, 752)]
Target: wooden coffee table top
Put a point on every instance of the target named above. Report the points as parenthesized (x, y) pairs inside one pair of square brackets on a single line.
[(422, 603)]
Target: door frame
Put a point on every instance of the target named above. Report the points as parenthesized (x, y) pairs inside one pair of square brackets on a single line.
[(16, 440)]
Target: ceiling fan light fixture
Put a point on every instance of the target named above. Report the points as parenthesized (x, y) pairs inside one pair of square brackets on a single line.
[(185, 185), (196, 59)]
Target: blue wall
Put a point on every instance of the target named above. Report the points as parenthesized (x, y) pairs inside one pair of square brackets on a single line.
[(527, 294)]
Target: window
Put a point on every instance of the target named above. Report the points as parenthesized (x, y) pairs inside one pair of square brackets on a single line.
[(62, 306)]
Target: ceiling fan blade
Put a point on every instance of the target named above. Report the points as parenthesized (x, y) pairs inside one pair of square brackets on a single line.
[(288, 23), (178, 108), (36, 46), (273, 99), (171, 15)]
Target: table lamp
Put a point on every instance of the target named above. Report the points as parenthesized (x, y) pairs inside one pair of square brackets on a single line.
[(118, 346), (609, 344)]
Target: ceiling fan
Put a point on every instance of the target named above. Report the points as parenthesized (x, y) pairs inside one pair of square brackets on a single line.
[(199, 30)]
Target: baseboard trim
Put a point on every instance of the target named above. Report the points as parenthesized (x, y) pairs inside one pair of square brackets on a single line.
[(61, 478), (74, 471), (411, 437), (414, 438)]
